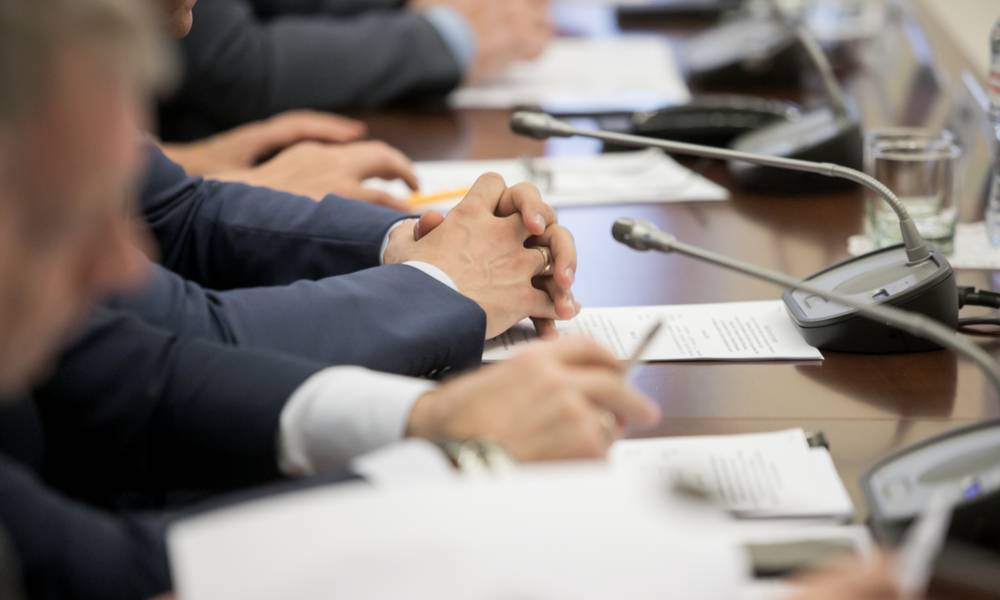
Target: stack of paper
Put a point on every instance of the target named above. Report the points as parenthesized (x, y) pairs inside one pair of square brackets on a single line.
[(566, 533), (592, 74), (721, 331), (627, 177), (757, 475)]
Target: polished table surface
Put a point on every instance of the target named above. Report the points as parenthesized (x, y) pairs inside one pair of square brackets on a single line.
[(866, 405)]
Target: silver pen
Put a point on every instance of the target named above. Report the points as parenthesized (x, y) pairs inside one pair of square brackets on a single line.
[(635, 358)]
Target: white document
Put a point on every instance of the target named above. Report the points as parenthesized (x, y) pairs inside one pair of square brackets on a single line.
[(759, 330), (625, 177), (564, 533), (593, 74), (972, 247), (753, 475)]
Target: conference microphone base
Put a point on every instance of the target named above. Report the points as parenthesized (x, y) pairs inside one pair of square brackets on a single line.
[(882, 277)]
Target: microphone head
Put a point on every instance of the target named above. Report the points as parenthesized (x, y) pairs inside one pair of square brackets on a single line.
[(538, 125), (634, 233)]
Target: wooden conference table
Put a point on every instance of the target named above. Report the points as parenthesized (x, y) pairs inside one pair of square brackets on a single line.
[(867, 406)]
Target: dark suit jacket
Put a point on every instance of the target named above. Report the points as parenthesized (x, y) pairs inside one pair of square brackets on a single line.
[(280, 251), (10, 570), (249, 59), (125, 425)]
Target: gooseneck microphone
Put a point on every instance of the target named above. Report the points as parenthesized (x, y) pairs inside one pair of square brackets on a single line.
[(543, 126), (826, 134), (834, 91), (911, 276), (899, 488), (642, 235)]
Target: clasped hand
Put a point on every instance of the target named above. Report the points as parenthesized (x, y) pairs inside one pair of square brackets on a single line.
[(486, 245)]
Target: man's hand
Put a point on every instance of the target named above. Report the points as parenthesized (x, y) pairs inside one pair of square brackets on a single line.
[(556, 400), (851, 580), (315, 170), (245, 146), (505, 31), (487, 246)]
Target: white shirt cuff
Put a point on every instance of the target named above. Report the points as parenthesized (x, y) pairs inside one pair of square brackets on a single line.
[(385, 240), (432, 271), (343, 412), (426, 268)]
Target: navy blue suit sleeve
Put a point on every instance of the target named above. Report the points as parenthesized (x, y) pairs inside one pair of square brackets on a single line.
[(271, 8), (131, 409), (393, 318), (228, 235), (69, 550), (242, 65)]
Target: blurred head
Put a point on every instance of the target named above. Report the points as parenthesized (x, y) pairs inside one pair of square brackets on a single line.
[(76, 76), (181, 15)]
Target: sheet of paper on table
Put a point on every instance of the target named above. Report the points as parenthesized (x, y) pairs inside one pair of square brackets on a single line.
[(546, 535), (759, 330), (972, 248), (757, 475), (596, 74), (625, 177)]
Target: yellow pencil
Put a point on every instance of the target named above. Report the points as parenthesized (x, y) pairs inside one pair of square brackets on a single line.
[(418, 199)]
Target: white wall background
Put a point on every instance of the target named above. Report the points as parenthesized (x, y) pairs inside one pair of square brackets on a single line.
[(969, 23)]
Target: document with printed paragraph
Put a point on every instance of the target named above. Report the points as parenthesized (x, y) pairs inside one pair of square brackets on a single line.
[(759, 330), (755, 475), (618, 178), (591, 74)]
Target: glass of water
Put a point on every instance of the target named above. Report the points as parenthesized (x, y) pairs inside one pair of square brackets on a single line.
[(919, 165)]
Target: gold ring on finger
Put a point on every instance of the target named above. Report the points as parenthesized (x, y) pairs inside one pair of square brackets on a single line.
[(546, 260)]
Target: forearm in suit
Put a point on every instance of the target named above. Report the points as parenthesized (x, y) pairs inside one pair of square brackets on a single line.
[(228, 235), (132, 409), (240, 67), (69, 550), (327, 7), (393, 318)]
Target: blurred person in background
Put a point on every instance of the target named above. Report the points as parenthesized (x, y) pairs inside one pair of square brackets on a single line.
[(247, 60)]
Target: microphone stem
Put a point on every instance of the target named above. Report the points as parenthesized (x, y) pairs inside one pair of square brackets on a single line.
[(838, 101), (916, 248), (915, 324)]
